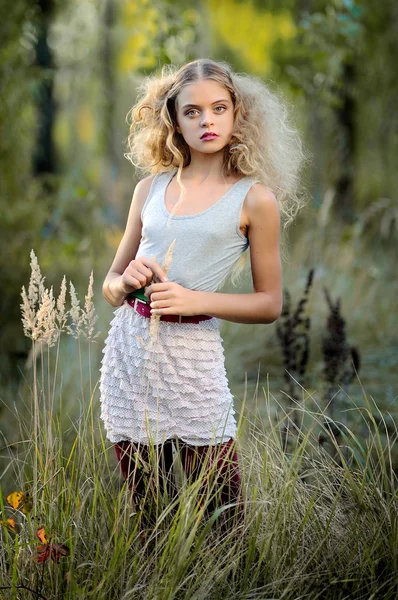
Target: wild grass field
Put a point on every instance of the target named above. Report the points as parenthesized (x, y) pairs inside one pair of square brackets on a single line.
[(320, 506), (317, 439)]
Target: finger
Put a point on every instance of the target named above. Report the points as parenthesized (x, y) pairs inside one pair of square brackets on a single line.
[(156, 287), (156, 268), (163, 303), (146, 273), (164, 311), (129, 282), (160, 296), (146, 288), (134, 272)]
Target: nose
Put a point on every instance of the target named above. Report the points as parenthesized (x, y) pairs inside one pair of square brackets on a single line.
[(206, 121)]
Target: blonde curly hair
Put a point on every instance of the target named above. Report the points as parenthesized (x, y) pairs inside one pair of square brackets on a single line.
[(264, 145)]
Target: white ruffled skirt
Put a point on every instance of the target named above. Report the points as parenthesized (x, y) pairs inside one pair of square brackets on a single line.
[(175, 386)]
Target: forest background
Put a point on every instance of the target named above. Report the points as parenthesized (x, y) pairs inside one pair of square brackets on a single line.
[(69, 72)]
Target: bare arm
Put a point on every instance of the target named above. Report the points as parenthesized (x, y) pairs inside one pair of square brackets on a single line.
[(265, 304), (262, 306), (126, 272)]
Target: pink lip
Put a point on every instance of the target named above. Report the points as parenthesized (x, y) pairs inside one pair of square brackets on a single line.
[(208, 134)]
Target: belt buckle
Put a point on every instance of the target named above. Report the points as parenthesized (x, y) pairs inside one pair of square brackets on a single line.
[(138, 300)]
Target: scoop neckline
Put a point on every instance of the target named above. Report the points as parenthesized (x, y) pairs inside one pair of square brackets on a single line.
[(168, 214)]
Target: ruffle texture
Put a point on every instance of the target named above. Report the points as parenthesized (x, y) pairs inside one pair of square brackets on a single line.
[(175, 386)]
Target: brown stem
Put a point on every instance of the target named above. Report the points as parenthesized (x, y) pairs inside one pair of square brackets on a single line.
[(22, 587)]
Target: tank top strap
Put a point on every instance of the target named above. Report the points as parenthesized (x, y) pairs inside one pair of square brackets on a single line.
[(238, 192), (157, 188), (246, 183), (233, 198)]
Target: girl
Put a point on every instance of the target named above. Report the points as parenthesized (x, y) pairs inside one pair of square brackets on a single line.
[(224, 163)]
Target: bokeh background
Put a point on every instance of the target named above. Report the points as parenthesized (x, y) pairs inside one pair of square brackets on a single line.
[(69, 73)]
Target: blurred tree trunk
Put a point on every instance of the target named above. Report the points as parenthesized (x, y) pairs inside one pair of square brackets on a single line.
[(346, 118), (27, 114), (108, 71), (110, 167), (44, 158)]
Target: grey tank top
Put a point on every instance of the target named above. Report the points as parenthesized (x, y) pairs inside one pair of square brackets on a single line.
[(207, 243)]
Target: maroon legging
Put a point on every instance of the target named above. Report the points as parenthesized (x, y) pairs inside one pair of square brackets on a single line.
[(221, 469)]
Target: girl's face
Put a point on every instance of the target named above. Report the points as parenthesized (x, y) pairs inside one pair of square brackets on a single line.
[(205, 106)]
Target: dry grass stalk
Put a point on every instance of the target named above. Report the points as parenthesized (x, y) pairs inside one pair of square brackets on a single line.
[(90, 318), (62, 314), (33, 297), (76, 314), (28, 314), (46, 330), (38, 307), (36, 283), (44, 318), (155, 319)]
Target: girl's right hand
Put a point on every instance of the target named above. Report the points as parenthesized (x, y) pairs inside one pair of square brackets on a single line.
[(139, 273)]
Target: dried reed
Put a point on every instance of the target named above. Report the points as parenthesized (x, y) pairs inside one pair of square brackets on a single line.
[(155, 319), (44, 318)]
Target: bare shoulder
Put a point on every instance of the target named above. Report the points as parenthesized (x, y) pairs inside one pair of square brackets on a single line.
[(261, 198), (145, 182), (261, 208), (142, 188)]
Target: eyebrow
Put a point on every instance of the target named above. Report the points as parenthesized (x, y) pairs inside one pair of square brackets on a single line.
[(197, 105)]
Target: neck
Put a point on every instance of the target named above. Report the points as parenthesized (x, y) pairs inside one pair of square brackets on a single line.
[(205, 167)]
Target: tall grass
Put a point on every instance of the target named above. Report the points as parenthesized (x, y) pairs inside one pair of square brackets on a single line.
[(320, 521), (361, 275)]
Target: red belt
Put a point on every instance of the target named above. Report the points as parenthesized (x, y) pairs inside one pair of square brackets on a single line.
[(144, 309)]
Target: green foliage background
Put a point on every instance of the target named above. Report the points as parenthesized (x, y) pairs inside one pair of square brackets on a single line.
[(334, 61)]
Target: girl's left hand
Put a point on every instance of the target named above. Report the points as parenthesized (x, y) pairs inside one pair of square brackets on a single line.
[(170, 298)]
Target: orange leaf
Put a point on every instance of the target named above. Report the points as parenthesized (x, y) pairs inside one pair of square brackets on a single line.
[(20, 499), (49, 548), (53, 550), (15, 499), (9, 524), (41, 534)]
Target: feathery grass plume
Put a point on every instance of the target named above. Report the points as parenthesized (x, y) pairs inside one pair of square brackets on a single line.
[(292, 330), (61, 315), (336, 354), (90, 318), (34, 296), (76, 313), (36, 283), (38, 308), (155, 319), (28, 314), (168, 257), (46, 330)]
